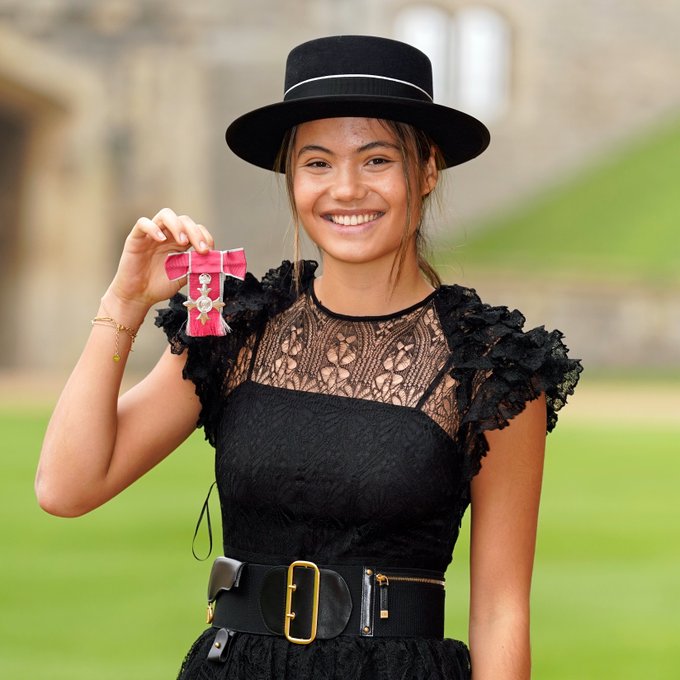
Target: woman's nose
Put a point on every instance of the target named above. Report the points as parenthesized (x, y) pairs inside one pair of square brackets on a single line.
[(347, 185)]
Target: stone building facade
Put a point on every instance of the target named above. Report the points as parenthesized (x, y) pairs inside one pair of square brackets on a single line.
[(113, 109)]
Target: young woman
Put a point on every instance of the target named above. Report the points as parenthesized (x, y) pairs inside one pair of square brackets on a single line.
[(350, 411)]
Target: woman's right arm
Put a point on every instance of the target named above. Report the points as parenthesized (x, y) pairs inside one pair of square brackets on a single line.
[(96, 443)]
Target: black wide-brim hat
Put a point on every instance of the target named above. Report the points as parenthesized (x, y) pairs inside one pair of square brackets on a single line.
[(357, 76)]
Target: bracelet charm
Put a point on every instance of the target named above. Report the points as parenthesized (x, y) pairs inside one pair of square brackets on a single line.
[(109, 321)]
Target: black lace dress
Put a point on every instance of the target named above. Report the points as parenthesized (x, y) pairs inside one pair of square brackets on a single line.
[(353, 440)]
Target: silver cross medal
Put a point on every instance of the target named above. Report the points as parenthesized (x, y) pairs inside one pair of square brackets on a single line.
[(204, 303)]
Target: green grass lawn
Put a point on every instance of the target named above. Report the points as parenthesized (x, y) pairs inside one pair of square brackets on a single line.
[(117, 594), (618, 218)]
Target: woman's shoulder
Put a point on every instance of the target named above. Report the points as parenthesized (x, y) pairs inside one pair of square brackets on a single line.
[(463, 312), (253, 300), (505, 363)]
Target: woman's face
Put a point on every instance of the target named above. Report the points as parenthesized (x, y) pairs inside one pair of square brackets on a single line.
[(350, 191)]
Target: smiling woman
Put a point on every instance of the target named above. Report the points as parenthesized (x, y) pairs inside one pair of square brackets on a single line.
[(406, 149), (349, 412)]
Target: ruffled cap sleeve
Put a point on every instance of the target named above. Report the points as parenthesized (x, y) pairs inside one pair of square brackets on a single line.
[(499, 367), (516, 367)]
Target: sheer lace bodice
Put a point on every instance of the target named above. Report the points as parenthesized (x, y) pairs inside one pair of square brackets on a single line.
[(397, 359)]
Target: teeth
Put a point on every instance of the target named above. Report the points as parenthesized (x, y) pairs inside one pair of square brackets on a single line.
[(353, 220)]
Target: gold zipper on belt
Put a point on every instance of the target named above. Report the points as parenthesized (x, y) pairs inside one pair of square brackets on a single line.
[(384, 581)]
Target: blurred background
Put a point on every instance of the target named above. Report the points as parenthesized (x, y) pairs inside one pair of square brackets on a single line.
[(113, 109)]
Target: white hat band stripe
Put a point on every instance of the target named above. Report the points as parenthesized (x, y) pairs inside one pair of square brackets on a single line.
[(358, 75)]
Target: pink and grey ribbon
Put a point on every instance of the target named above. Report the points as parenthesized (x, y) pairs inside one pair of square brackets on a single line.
[(206, 272)]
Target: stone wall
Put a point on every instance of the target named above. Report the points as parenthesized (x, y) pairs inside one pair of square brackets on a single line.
[(57, 228)]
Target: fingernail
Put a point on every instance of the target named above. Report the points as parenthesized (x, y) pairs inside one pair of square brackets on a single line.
[(203, 245), (183, 238), (161, 235)]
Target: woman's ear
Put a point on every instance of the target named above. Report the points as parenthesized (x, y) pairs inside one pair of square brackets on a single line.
[(430, 175)]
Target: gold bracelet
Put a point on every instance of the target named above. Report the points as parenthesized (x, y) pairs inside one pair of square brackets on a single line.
[(109, 321)]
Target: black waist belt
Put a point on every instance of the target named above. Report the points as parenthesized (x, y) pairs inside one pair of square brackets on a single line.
[(303, 601)]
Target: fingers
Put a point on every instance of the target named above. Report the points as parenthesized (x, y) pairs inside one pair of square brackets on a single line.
[(181, 229), (146, 227), (206, 241)]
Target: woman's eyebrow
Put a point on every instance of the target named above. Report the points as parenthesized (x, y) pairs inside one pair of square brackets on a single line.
[(314, 147), (378, 144)]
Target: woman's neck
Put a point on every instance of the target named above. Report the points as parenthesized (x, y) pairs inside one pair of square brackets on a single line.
[(363, 290)]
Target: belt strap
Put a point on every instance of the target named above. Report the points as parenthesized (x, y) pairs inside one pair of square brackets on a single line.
[(352, 600)]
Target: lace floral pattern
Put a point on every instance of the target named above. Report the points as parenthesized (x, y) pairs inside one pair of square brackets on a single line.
[(392, 361)]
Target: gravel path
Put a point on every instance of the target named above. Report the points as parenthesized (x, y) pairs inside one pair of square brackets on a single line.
[(626, 403)]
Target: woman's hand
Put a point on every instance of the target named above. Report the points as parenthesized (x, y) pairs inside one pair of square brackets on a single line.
[(141, 281)]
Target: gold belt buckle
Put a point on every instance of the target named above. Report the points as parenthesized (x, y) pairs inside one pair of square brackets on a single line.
[(290, 589)]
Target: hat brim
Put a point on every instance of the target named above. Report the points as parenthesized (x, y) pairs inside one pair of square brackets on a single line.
[(257, 136)]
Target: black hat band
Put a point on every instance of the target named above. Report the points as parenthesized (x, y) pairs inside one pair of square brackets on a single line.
[(356, 84)]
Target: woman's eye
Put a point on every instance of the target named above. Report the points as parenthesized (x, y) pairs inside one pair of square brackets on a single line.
[(316, 164), (379, 161)]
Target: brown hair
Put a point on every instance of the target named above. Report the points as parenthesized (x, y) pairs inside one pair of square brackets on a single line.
[(415, 147)]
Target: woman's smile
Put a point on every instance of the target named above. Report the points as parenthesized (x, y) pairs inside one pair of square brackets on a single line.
[(353, 219)]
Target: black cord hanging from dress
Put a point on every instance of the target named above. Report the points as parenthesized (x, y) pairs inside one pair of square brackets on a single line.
[(205, 510)]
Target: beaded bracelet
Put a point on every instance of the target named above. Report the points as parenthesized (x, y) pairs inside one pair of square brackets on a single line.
[(109, 321)]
